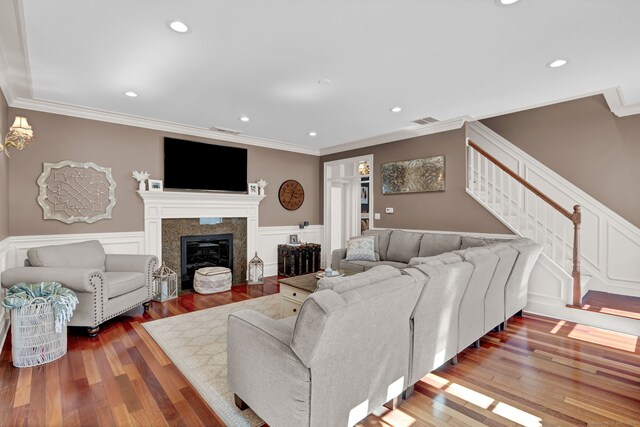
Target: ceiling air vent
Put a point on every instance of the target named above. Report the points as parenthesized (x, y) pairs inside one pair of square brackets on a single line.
[(425, 121), (226, 130)]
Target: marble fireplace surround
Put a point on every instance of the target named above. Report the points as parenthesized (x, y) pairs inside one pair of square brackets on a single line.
[(178, 204)]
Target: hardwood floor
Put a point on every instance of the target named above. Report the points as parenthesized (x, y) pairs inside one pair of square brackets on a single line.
[(616, 305), (538, 372)]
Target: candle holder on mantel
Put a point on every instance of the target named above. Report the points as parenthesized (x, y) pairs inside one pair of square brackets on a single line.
[(165, 282), (256, 271)]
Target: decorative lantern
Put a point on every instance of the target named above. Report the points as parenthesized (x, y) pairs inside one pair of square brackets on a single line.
[(256, 271), (165, 283)]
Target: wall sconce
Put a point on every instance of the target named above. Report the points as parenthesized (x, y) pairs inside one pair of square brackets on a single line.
[(19, 136)]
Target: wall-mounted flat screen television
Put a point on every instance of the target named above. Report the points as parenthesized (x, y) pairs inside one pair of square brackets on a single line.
[(192, 165)]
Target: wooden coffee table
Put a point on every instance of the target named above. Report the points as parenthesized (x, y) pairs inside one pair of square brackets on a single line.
[(294, 290)]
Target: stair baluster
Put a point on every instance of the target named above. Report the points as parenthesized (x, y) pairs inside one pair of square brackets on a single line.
[(490, 188)]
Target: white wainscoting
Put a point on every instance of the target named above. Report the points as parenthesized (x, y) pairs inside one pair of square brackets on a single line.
[(114, 243), (270, 237), (4, 314), (610, 245)]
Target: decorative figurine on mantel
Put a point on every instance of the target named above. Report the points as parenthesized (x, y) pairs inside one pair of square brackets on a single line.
[(261, 184), (141, 177)]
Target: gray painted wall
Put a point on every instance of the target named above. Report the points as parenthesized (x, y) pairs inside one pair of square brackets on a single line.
[(127, 148), (4, 171), (451, 210)]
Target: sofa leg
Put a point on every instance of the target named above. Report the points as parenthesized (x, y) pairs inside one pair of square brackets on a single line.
[(519, 314), (476, 344), (93, 331), (503, 325), (146, 305), (239, 402), (497, 328), (408, 392), (394, 403), (454, 360)]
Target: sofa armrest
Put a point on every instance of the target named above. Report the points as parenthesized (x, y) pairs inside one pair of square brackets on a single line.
[(337, 256), (263, 369), (77, 279)]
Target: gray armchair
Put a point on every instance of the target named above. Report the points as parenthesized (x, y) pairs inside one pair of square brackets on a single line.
[(106, 285)]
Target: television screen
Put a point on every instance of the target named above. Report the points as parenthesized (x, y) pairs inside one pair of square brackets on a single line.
[(197, 166)]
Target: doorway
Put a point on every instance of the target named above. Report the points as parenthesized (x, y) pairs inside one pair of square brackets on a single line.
[(348, 201)]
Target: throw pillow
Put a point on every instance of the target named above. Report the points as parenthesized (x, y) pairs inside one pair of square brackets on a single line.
[(361, 249)]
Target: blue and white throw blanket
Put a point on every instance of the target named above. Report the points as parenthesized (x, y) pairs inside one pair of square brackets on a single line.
[(64, 300)]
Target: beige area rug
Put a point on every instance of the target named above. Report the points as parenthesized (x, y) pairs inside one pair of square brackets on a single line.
[(197, 344)]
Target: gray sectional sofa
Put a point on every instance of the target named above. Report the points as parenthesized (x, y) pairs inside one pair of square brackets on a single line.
[(362, 340), (396, 248)]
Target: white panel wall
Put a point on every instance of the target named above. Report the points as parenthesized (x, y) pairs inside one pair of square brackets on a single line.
[(4, 315), (610, 245), (271, 237), (114, 243)]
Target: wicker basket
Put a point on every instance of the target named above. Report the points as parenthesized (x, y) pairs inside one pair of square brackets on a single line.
[(34, 340)]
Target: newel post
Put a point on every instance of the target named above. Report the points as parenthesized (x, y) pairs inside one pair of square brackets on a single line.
[(577, 291)]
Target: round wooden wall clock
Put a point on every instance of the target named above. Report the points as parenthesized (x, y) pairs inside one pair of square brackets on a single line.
[(291, 194)]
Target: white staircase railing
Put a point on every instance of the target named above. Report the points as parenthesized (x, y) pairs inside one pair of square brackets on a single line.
[(527, 211)]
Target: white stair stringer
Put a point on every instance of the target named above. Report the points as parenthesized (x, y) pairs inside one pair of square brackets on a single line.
[(610, 245)]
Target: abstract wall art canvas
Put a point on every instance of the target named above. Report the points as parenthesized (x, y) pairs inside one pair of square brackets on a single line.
[(413, 176)]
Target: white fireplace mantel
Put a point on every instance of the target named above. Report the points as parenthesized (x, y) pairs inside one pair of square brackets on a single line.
[(175, 204)]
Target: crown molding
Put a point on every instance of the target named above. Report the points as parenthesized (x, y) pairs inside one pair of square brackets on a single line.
[(428, 129), (617, 105), (161, 125)]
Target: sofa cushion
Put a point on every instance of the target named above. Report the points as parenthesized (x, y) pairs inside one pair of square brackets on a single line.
[(360, 266), (361, 249), (89, 254), (435, 244), (120, 283), (382, 241), (403, 246), (353, 266)]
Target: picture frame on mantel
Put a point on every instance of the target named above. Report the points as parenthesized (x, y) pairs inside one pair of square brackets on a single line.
[(155, 184), (253, 189)]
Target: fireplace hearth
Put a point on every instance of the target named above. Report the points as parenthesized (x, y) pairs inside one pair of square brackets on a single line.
[(213, 250)]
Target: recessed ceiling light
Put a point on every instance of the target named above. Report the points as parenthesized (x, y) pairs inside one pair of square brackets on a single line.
[(312, 133), (324, 82), (395, 109), (244, 119), (131, 94), (179, 27), (506, 2), (557, 63)]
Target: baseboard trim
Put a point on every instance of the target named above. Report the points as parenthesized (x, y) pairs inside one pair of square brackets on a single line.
[(584, 317)]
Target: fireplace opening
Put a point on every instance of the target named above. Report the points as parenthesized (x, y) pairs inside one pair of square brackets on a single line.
[(213, 250)]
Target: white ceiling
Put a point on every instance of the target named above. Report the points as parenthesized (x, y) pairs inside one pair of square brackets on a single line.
[(263, 59)]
